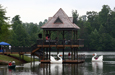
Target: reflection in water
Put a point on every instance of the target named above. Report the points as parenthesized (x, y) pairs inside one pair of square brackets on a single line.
[(56, 69), (97, 67), (10, 71), (87, 68), (29, 65)]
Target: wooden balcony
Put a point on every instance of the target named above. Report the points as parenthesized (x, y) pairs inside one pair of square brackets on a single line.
[(60, 43)]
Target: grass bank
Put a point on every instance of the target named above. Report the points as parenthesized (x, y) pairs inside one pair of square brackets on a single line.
[(5, 59)]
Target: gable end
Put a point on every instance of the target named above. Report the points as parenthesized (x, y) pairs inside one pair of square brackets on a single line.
[(58, 21)]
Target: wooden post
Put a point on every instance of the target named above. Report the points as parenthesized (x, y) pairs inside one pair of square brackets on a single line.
[(43, 54), (63, 71), (72, 53), (57, 34), (43, 34), (63, 53), (76, 35), (57, 52), (31, 57), (43, 38), (63, 44), (49, 69), (19, 56), (23, 56), (77, 53), (72, 37), (49, 53), (63, 34), (50, 34)]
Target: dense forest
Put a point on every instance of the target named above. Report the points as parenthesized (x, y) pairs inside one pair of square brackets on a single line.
[(97, 29)]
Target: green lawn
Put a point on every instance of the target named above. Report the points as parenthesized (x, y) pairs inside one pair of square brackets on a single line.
[(26, 58), (7, 58)]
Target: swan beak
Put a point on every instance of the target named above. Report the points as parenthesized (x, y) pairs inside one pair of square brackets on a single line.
[(60, 55), (93, 54)]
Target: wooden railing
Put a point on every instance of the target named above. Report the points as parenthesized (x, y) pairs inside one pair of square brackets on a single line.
[(60, 42), (16, 49)]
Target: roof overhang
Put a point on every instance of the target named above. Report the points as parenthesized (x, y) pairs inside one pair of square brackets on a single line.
[(55, 29)]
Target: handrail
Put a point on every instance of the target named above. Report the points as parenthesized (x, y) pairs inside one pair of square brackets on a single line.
[(18, 49), (60, 42)]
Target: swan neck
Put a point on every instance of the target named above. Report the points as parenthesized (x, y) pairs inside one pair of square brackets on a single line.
[(59, 57), (95, 55)]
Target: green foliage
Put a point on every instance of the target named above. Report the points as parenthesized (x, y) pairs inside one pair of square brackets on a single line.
[(19, 36), (4, 32), (99, 30), (103, 14), (75, 16), (94, 39), (24, 34), (93, 19)]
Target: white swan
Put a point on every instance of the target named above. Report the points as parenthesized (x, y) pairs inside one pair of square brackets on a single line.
[(99, 59), (54, 61)]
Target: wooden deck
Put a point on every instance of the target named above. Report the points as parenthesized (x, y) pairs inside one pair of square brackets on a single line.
[(60, 46), (65, 61)]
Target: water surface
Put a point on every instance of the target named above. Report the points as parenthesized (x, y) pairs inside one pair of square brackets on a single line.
[(107, 67)]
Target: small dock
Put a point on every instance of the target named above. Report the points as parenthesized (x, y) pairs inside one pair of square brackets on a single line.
[(65, 61)]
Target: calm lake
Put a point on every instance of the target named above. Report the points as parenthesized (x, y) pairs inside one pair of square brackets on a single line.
[(107, 67)]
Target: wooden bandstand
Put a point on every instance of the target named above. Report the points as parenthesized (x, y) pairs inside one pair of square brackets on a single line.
[(62, 37)]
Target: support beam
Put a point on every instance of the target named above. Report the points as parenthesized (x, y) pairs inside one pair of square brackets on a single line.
[(31, 59), (49, 53), (57, 52), (72, 53), (43, 54), (63, 53)]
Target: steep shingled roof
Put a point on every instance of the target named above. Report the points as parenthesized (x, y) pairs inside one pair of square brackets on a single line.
[(60, 20)]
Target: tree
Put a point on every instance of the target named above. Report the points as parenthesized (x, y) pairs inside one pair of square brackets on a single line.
[(106, 42), (19, 36), (16, 21), (94, 37), (93, 19), (111, 23), (75, 16), (4, 32), (103, 16), (34, 34), (102, 29)]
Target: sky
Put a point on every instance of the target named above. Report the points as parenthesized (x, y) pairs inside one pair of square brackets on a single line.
[(39, 10)]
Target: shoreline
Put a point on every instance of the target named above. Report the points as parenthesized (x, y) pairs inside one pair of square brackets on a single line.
[(4, 59), (2, 62)]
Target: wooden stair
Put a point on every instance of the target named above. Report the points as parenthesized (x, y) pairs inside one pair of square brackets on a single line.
[(38, 53), (36, 50)]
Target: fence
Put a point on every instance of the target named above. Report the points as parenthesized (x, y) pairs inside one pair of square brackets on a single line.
[(16, 49), (61, 42)]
